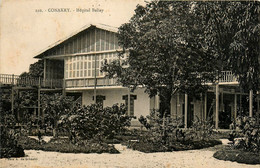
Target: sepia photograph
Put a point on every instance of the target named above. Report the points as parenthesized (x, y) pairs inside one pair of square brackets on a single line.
[(129, 84)]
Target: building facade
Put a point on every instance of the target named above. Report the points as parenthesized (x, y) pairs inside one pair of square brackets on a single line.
[(78, 60)]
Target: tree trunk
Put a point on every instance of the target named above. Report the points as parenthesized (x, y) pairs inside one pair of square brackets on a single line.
[(165, 102), (54, 131)]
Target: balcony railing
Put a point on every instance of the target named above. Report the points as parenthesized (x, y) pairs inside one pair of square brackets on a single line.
[(90, 82), (225, 77), (16, 80)]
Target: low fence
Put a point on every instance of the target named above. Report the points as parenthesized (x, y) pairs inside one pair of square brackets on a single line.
[(16, 80)]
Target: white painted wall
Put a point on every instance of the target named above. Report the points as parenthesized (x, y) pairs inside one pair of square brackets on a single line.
[(113, 96)]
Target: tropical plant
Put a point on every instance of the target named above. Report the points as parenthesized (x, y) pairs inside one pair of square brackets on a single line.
[(250, 132), (95, 122), (53, 107)]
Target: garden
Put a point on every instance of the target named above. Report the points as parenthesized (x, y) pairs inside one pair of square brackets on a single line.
[(96, 129), (245, 142)]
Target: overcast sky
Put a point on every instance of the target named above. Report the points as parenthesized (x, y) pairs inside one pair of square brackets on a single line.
[(24, 32)]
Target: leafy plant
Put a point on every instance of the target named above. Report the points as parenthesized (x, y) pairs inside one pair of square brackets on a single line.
[(54, 106), (200, 130), (95, 122), (250, 132)]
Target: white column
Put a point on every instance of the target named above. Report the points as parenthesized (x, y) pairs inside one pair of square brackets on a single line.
[(186, 112), (251, 103), (205, 106), (157, 102), (217, 105), (235, 107)]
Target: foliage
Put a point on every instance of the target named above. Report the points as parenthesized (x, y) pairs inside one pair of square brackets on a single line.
[(36, 70), (250, 133), (231, 32), (165, 133), (7, 119), (163, 52), (63, 145), (95, 122), (177, 46), (8, 145), (149, 147), (54, 106), (200, 130), (238, 156)]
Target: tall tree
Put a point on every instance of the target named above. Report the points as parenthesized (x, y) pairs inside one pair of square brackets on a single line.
[(231, 32), (35, 70), (164, 53)]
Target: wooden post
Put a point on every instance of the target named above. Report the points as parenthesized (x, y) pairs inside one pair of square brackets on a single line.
[(95, 72), (177, 103), (157, 102), (186, 111), (51, 83), (235, 107), (12, 100), (45, 70), (128, 101), (251, 103), (258, 109), (205, 106), (13, 79), (217, 105), (240, 102), (64, 88), (39, 97)]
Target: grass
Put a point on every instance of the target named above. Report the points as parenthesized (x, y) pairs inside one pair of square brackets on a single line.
[(237, 155)]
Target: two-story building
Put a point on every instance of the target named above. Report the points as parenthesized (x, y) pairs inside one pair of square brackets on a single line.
[(78, 60)]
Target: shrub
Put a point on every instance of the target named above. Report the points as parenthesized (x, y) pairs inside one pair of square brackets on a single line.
[(250, 133), (9, 146), (65, 146), (238, 156), (95, 122), (165, 134), (200, 130)]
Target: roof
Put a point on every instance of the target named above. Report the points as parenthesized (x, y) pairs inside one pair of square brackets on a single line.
[(100, 26)]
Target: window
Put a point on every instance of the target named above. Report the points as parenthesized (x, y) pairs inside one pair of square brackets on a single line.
[(84, 66), (100, 99), (132, 98)]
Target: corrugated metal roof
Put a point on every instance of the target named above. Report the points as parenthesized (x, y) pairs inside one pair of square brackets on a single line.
[(99, 25)]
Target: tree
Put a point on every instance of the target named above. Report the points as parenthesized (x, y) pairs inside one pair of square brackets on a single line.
[(231, 31), (165, 55), (36, 70)]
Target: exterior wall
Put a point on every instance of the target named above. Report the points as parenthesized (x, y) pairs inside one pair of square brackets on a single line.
[(90, 40), (113, 96)]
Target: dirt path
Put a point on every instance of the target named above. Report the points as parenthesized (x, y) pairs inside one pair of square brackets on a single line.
[(126, 159)]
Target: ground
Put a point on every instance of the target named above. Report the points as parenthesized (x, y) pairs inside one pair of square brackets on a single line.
[(126, 159)]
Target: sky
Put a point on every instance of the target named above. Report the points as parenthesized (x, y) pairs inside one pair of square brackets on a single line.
[(27, 27)]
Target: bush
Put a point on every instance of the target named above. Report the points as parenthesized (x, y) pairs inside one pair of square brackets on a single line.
[(165, 134), (95, 122), (245, 149), (9, 146), (250, 133), (238, 156), (63, 145), (149, 147)]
